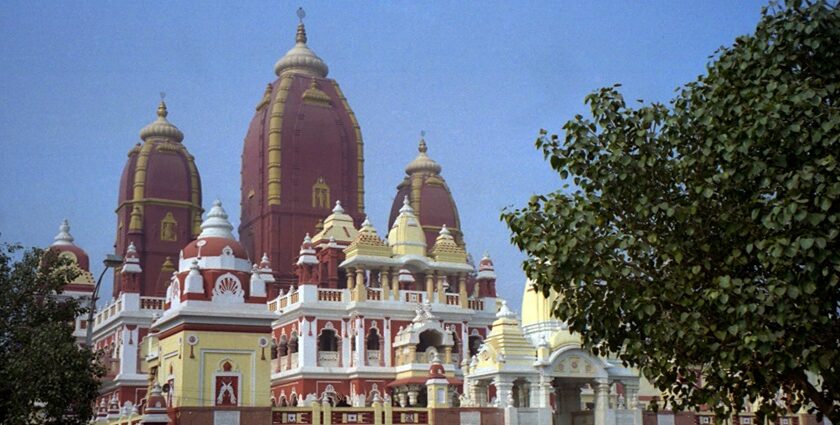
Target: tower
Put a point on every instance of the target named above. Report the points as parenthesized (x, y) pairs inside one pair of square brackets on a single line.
[(81, 287), (159, 208), (302, 153), (429, 197)]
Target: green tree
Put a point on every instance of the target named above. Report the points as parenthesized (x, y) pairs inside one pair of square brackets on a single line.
[(45, 377), (699, 240)]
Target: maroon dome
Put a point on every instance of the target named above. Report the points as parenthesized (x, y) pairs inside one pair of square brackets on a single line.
[(63, 243), (430, 198), (159, 206), (302, 153), (214, 247)]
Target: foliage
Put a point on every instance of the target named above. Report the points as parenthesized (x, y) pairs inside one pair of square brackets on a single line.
[(45, 377), (701, 238)]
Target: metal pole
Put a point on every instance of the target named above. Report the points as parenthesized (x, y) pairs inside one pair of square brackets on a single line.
[(110, 261)]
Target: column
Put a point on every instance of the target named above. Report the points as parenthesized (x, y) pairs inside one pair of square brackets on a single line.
[(602, 400), (441, 296), (462, 291), (360, 289), (351, 279), (385, 283), (447, 355), (430, 286), (386, 338), (361, 351), (395, 284), (503, 391), (631, 390)]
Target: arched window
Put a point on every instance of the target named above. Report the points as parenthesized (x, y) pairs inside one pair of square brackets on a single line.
[(429, 338), (283, 346), (327, 340), (372, 341), (293, 343), (475, 344)]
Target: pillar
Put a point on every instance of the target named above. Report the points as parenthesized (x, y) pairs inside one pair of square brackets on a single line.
[(395, 284), (462, 291), (316, 412), (503, 391), (447, 355), (631, 400), (385, 283), (430, 286), (441, 296), (377, 411), (351, 280), (602, 400), (360, 289)]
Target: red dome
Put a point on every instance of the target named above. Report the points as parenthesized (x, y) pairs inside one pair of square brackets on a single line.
[(159, 206), (430, 197), (302, 153), (64, 244), (214, 247)]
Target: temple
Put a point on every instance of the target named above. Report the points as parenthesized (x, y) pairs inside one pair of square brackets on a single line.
[(312, 315)]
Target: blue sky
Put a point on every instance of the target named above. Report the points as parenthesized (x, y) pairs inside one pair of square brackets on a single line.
[(80, 79)]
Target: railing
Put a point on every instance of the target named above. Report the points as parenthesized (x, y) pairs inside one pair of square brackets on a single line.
[(452, 299), (333, 295), (475, 304), (414, 297), (151, 303), (374, 294), (328, 358)]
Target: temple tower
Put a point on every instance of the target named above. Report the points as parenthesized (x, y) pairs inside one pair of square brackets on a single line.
[(302, 153), (159, 208)]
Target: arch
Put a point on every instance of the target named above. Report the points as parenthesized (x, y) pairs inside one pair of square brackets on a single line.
[(429, 338), (228, 289), (327, 340), (475, 341), (283, 346), (293, 343), (373, 338), (572, 361)]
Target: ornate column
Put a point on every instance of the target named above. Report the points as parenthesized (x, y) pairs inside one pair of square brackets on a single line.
[(602, 400), (447, 355), (631, 400), (503, 391)]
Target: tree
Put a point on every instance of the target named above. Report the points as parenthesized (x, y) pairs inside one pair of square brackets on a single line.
[(699, 239), (45, 377)]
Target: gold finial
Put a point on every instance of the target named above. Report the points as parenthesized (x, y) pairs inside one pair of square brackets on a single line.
[(301, 30), (161, 110), (422, 148)]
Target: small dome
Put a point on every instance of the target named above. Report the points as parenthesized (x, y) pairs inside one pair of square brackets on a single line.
[(161, 128), (301, 58), (63, 244), (422, 163), (216, 236)]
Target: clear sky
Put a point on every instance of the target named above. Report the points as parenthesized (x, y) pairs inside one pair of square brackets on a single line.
[(79, 80)]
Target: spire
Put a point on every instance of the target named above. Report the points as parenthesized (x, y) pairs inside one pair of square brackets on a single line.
[(338, 208), (216, 224), (406, 208), (63, 237), (300, 58), (422, 163), (161, 128)]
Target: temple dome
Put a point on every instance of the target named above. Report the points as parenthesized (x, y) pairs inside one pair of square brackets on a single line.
[(63, 244), (429, 196), (216, 237), (302, 153)]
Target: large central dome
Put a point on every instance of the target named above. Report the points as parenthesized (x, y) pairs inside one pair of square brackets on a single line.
[(303, 152)]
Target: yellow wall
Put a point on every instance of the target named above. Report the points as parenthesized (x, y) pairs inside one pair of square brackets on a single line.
[(194, 382)]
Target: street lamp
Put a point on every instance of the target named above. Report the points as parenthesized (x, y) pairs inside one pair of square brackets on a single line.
[(110, 261)]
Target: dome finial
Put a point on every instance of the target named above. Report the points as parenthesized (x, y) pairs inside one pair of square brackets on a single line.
[(300, 37), (161, 110), (422, 146), (63, 237)]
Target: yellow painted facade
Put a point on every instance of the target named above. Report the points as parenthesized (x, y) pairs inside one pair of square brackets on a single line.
[(192, 364)]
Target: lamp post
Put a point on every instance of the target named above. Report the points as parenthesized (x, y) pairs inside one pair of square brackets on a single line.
[(110, 261)]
